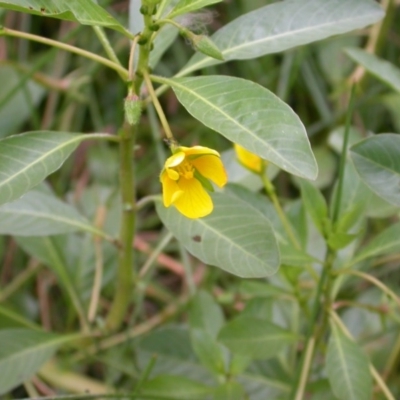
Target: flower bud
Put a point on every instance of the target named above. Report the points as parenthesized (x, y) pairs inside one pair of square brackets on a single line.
[(133, 109), (206, 46), (249, 160), (203, 44), (151, 2)]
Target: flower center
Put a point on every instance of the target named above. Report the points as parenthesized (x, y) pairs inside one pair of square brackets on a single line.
[(185, 169)]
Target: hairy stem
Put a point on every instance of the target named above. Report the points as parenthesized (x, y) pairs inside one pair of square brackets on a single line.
[(157, 106), (125, 272)]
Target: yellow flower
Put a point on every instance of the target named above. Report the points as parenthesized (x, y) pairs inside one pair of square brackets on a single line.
[(249, 160), (185, 178)]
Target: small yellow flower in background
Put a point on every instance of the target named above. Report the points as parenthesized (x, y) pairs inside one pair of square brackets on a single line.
[(186, 176), (249, 160)]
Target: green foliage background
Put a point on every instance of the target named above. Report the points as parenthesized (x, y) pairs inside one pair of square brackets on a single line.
[(298, 300)]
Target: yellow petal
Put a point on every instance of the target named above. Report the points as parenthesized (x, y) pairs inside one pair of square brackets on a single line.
[(248, 159), (171, 190), (211, 167), (175, 160), (198, 150), (194, 202)]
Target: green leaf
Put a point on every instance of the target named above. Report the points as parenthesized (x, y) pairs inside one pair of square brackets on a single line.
[(250, 115), (388, 241), (174, 353), (17, 98), (27, 159), (315, 205), (234, 237), (259, 307), (259, 203), (210, 353), (357, 195), (40, 214), (347, 368), (205, 313), (229, 391), (168, 387), (22, 353), (381, 69), (339, 240), (82, 11), (377, 160), (187, 6), (284, 25), (206, 319), (255, 337)]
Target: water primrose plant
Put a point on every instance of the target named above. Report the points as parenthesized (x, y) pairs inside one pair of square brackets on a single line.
[(203, 204)]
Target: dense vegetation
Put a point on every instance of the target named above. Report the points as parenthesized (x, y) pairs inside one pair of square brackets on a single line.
[(199, 199)]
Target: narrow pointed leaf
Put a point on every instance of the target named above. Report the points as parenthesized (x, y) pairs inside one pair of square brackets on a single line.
[(315, 204), (347, 368), (387, 242), (287, 24), (186, 6), (22, 353), (377, 160), (168, 387), (82, 11), (254, 337), (381, 69), (40, 214), (234, 237), (50, 250), (210, 353), (27, 159), (250, 115)]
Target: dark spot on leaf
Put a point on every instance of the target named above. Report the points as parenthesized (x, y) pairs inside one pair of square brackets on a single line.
[(31, 8), (197, 238), (43, 10)]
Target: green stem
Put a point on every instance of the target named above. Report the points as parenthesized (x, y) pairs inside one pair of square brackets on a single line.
[(374, 281), (140, 329), (314, 331), (63, 46), (157, 106), (125, 272), (161, 8), (149, 264), (308, 354), (270, 189), (343, 158), (20, 280), (392, 359), (171, 22), (99, 31), (145, 42)]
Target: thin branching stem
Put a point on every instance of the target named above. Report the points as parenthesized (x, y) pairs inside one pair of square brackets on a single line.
[(67, 47)]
